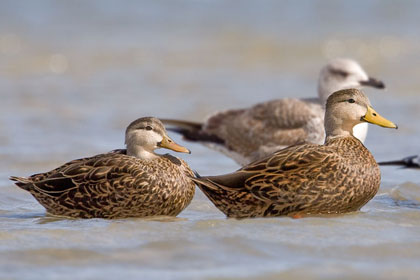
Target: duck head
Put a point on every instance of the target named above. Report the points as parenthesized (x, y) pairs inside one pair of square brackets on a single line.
[(147, 134), (347, 108)]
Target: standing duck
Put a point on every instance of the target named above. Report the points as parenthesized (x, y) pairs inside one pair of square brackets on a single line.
[(132, 182), (337, 177), (255, 132)]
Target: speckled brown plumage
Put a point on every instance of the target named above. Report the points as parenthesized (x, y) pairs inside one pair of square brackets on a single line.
[(113, 185), (340, 176), (337, 177)]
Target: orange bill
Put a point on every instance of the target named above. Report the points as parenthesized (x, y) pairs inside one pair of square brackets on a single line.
[(373, 117), (168, 143)]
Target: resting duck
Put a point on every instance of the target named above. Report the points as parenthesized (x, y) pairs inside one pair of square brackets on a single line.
[(337, 177), (134, 182)]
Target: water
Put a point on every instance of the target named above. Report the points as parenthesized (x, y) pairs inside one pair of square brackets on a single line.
[(74, 74)]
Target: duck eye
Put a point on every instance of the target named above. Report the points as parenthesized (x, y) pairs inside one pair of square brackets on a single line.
[(351, 100), (149, 127)]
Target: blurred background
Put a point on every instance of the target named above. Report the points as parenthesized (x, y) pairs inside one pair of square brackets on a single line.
[(74, 74)]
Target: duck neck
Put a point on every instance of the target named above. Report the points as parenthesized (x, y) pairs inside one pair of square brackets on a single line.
[(337, 128), (337, 133), (141, 153)]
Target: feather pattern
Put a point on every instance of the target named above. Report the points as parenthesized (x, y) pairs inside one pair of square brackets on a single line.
[(113, 185), (337, 177)]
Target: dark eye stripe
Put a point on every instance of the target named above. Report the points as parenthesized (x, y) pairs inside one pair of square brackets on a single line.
[(339, 72), (146, 127)]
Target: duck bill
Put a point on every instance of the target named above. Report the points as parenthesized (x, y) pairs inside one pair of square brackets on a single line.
[(373, 117), (168, 143)]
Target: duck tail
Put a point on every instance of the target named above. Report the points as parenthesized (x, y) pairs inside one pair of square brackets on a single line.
[(198, 176), (21, 182), (204, 183)]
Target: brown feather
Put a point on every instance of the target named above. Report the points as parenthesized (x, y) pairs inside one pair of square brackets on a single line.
[(337, 177), (113, 185)]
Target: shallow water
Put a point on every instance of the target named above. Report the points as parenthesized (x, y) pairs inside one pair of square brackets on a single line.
[(74, 74)]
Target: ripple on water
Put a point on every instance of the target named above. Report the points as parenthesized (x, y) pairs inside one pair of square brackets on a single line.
[(407, 192), (71, 95)]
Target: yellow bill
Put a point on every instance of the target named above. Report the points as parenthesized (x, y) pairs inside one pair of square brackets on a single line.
[(168, 143), (373, 117)]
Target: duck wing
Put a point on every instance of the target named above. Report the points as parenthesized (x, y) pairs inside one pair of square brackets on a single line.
[(281, 177), (99, 175)]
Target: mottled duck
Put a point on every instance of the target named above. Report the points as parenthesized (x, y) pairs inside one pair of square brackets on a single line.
[(132, 182), (337, 177)]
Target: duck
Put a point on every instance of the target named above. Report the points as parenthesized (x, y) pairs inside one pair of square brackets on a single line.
[(131, 182), (336, 177), (407, 162), (252, 133)]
